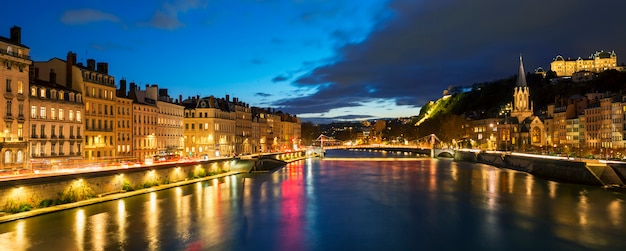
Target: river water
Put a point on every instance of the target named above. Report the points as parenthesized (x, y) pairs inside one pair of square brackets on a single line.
[(356, 204)]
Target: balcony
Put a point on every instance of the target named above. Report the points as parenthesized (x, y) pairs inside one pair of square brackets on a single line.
[(34, 136), (53, 136), (43, 136), (61, 136), (72, 137)]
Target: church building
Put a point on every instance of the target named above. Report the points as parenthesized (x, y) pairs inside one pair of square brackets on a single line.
[(521, 130)]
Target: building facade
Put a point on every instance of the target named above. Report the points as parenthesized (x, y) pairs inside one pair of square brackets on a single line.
[(56, 123), (14, 72), (598, 62)]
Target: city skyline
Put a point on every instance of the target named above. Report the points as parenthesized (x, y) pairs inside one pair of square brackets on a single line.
[(321, 60)]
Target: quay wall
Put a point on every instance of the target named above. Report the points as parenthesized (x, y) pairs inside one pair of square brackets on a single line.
[(573, 171), (42, 191)]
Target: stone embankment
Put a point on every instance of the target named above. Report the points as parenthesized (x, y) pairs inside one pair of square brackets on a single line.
[(573, 170), (30, 196)]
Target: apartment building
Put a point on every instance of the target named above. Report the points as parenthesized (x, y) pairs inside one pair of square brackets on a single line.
[(209, 127), (144, 123), (124, 126), (98, 90), (14, 73), (56, 122)]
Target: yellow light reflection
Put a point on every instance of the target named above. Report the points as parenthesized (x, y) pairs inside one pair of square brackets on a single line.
[(152, 224), (15, 240), (121, 221), (79, 229), (98, 226), (614, 210)]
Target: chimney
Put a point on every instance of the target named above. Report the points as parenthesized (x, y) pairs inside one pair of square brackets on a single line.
[(103, 68), (180, 98), (91, 64), (227, 98), (69, 63), (122, 91), (16, 34), (53, 76)]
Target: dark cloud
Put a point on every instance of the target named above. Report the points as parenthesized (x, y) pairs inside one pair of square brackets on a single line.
[(420, 48), (327, 120), (280, 78), (262, 94)]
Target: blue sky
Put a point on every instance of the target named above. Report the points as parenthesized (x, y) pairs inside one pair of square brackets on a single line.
[(320, 59)]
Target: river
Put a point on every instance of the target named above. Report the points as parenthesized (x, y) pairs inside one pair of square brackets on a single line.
[(391, 202)]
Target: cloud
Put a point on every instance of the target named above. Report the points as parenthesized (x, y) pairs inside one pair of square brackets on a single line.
[(85, 16), (280, 78), (420, 48), (262, 94), (167, 17)]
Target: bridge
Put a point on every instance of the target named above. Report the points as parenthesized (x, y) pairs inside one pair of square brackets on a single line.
[(432, 152), (427, 151)]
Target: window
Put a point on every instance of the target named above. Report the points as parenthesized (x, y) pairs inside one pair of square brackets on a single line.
[(8, 85), (42, 113), (43, 131), (20, 87), (61, 95), (19, 157), (53, 114), (53, 130), (9, 107), (7, 157), (71, 115), (20, 109), (33, 91), (61, 115), (78, 116), (34, 131), (20, 131), (42, 92)]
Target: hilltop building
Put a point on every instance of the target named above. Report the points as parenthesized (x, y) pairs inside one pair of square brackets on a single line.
[(597, 62)]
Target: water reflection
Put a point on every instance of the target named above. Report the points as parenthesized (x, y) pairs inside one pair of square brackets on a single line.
[(344, 205)]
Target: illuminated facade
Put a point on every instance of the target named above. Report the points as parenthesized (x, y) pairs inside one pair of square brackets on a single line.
[(98, 91), (124, 126), (209, 127), (15, 60), (144, 123), (597, 62), (521, 130), (56, 125)]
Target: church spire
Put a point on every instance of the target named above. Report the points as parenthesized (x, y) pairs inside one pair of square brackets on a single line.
[(521, 76)]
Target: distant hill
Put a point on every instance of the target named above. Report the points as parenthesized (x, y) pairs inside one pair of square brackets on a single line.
[(486, 99)]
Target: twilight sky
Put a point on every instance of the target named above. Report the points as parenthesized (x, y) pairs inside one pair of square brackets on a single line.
[(319, 59)]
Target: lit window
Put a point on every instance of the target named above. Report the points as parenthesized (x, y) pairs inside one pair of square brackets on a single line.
[(42, 113), (42, 92), (78, 116), (20, 87), (61, 117)]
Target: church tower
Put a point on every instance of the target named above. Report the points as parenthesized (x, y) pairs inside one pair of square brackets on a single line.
[(522, 106)]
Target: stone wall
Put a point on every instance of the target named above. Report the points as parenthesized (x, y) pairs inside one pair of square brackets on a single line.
[(65, 188), (566, 170), (43, 191)]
